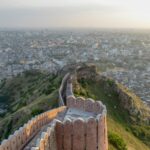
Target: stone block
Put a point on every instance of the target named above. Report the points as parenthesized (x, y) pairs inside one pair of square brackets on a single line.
[(35, 148), (25, 132), (79, 134), (46, 140), (19, 139), (91, 134), (68, 128), (23, 137), (41, 121), (59, 134), (6, 145), (13, 142), (48, 131), (28, 129), (98, 107), (71, 101), (1, 148), (33, 125), (101, 131), (80, 103), (89, 105), (42, 144)]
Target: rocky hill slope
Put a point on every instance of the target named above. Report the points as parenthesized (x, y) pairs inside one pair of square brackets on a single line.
[(128, 117)]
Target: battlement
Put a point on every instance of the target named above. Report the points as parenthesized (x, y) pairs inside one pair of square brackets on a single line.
[(21, 137), (83, 127), (80, 125)]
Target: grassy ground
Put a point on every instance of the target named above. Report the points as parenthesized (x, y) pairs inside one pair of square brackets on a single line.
[(27, 95), (118, 118)]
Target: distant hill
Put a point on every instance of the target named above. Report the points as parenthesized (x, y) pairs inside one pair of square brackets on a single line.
[(128, 118), (25, 96)]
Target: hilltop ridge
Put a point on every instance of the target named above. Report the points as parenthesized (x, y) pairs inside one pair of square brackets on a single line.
[(125, 110)]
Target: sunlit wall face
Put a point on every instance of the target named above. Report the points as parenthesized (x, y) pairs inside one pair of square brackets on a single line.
[(75, 13)]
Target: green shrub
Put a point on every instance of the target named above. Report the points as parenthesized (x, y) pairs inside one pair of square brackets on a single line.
[(36, 111), (117, 141), (142, 133), (110, 82)]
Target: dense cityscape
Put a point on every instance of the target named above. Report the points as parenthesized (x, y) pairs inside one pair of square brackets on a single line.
[(124, 56)]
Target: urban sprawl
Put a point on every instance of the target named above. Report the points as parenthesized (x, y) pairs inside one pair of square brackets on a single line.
[(123, 55)]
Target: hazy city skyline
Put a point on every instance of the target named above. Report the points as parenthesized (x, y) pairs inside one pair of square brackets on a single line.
[(74, 13)]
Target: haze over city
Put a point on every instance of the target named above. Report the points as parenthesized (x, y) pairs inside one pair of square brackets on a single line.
[(74, 13)]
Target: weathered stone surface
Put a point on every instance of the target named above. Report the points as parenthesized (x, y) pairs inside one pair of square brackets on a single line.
[(53, 143), (13, 142), (25, 133), (101, 133), (42, 145), (35, 148), (80, 103), (89, 105), (18, 138), (38, 143), (71, 101), (79, 135), (38, 122), (59, 135), (28, 130), (44, 136), (98, 107), (6, 145), (48, 131), (68, 128), (1, 148), (24, 136), (69, 89), (47, 145), (91, 134), (105, 132)]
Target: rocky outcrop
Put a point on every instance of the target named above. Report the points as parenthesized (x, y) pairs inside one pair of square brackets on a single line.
[(138, 111)]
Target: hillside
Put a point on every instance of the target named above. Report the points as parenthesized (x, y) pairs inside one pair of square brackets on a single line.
[(128, 117), (25, 96), (34, 92)]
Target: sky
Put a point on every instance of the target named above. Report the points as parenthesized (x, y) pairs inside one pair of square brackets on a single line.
[(74, 13)]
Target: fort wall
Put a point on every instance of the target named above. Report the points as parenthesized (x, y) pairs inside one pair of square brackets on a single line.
[(62, 90), (22, 136), (78, 133)]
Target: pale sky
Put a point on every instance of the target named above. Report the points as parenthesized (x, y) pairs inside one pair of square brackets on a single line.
[(75, 13)]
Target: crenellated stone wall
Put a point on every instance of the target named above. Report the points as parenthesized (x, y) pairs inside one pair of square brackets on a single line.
[(22, 136), (62, 89), (83, 126), (87, 133), (93, 129)]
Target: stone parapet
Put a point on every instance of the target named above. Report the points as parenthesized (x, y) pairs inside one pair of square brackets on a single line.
[(87, 132), (22, 136), (62, 89)]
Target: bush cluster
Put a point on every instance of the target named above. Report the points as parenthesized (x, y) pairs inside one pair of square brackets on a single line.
[(117, 141)]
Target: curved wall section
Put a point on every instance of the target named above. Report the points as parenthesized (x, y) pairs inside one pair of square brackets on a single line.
[(21, 137)]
